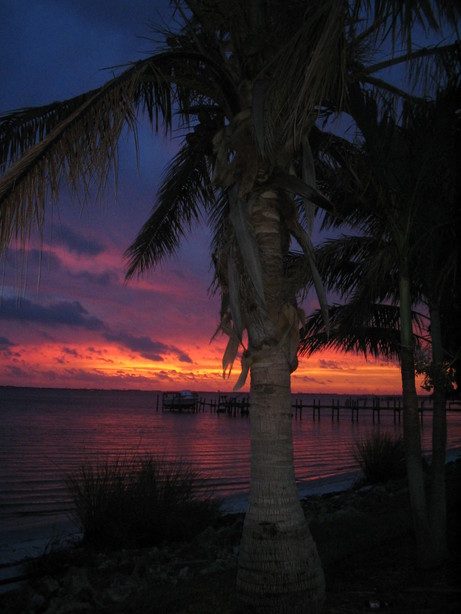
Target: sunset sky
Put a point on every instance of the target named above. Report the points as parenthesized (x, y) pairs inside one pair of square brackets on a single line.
[(67, 316)]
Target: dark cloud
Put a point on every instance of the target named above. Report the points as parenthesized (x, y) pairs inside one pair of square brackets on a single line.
[(104, 280), (45, 260), (309, 379), (146, 347), (66, 313), (33, 258), (17, 372), (70, 352), (329, 364), (183, 357), (101, 354), (6, 349), (61, 313), (76, 242)]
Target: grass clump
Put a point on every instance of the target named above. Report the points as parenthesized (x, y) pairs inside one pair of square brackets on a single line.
[(381, 458), (139, 502)]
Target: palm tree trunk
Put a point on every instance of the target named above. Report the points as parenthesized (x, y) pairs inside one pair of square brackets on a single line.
[(411, 433), (437, 494), (279, 568)]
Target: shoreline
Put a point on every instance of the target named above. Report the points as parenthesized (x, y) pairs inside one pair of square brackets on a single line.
[(33, 542), (364, 539)]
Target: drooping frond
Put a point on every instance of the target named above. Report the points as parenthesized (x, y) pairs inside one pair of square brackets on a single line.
[(23, 128), (397, 18), (75, 144), (350, 261), (372, 329), (186, 189), (315, 58)]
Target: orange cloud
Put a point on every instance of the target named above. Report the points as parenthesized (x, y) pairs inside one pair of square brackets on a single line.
[(110, 365)]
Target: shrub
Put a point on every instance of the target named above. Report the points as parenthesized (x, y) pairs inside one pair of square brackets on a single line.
[(133, 503), (380, 457)]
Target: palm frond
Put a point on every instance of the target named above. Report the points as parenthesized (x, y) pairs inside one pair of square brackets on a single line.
[(314, 58), (350, 262), (185, 191), (373, 330), (23, 128), (427, 68), (397, 19), (76, 143), (246, 240), (80, 144)]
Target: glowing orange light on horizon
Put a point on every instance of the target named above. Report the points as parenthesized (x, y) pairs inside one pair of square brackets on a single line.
[(109, 366)]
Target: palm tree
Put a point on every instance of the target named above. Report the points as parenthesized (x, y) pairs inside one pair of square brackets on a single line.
[(436, 128), (403, 181), (247, 80)]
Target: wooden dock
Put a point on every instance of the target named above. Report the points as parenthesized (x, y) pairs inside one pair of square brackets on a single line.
[(317, 408), (184, 401), (352, 406), (230, 405)]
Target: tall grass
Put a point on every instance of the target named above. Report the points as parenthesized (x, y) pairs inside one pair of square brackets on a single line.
[(137, 502), (381, 458)]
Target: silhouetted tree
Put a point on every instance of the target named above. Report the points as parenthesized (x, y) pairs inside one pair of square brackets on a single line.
[(399, 185)]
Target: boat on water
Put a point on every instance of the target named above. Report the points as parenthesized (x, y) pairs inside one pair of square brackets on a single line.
[(184, 400)]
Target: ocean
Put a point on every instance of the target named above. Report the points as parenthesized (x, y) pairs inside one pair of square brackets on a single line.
[(46, 434)]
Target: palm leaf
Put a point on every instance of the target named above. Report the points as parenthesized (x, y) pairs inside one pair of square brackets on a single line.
[(23, 128), (366, 328), (234, 295), (349, 262), (230, 354), (373, 331), (78, 147), (81, 135), (293, 184), (185, 191), (260, 88), (309, 178), (238, 214)]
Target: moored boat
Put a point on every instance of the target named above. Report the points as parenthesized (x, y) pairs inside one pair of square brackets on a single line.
[(185, 400)]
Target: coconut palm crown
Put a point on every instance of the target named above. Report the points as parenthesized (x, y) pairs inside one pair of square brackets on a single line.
[(244, 81)]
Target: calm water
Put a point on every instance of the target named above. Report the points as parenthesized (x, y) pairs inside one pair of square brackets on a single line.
[(45, 434)]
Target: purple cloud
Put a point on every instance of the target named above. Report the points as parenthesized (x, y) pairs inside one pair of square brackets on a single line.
[(146, 347), (61, 313), (77, 242)]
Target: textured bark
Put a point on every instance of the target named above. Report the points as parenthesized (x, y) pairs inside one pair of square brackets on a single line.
[(279, 568), (437, 494), (426, 555)]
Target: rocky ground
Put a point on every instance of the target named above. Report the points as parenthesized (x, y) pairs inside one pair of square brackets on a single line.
[(364, 540)]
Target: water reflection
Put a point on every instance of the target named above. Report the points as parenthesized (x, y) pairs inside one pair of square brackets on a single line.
[(46, 434)]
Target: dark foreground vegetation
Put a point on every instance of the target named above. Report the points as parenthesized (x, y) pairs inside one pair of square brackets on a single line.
[(138, 502), (363, 536)]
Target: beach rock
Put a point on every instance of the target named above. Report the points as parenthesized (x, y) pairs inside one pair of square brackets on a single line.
[(184, 573), (76, 581), (207, 540), (36, 601), (66, 606), (120, 590), (48, 586)]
